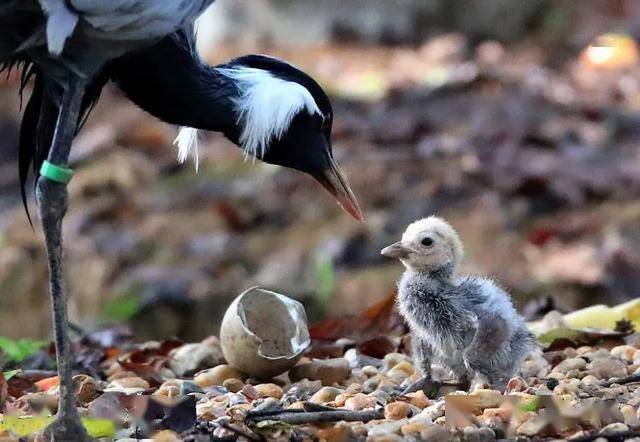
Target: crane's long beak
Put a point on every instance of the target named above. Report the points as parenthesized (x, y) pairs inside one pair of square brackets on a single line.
[(396, 250), (335, 182)]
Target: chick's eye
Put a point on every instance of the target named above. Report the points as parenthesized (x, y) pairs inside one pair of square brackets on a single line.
[(427, 242)]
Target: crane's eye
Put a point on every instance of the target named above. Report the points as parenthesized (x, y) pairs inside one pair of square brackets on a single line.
[(427, 242)]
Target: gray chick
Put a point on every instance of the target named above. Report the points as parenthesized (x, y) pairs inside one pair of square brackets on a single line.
[(468, 324)]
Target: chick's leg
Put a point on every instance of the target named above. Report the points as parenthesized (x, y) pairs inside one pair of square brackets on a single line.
[(485, 356), (422, 357), (51, 193)]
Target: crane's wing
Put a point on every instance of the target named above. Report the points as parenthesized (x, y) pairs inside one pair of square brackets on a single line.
[(26, 24)]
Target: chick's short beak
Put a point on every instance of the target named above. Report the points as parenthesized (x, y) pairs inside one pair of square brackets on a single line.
[(335, 182), (396, 250)]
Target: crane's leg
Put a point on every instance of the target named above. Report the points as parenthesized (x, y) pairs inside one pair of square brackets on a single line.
[(51, 194)]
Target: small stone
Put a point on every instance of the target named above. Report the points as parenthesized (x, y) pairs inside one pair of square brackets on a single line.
[(413, 427), (190, 358), (418, 399), (624, 352), (369, 370), (487, 398), (329, 371), (354, 388), (360, 402), (233, 385), (269, 390), (396, 411), (325, 394), (472, 434), (216, 375), (405, 367), (501, 413), (630, 416), (583, 350), (250, 392), (533, 426), (166, 436), (85, 387), (590, 380), (516, 384), (531, 368), (613, 429), (435, 433), (570, 364), (607, 368), (169, 389), (187, 387), (341, 432), (211, 410), (341, 399), (131, 385)]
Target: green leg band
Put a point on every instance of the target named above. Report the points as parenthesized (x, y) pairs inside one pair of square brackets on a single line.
[(55, 173)]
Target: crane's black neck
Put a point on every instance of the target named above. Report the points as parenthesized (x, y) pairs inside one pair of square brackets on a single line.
[(170, 81)]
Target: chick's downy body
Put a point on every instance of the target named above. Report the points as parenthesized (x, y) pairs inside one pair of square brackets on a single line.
[(468, 324)]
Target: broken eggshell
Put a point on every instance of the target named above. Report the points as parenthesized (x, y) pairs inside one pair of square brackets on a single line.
[(264, 333)]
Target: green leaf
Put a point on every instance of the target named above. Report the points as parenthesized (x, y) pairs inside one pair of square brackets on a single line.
[(325, 281), (122, 308), (529, 404), (559, 333), (9, 374), (25, 425), (17, 350), (99, 427)]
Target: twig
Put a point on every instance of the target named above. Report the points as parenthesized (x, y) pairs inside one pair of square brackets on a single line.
[(622, 435), (241, 431), (622, 381), (304, 417)]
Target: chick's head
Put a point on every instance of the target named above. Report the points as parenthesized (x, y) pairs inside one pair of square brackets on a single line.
[(427, 245)]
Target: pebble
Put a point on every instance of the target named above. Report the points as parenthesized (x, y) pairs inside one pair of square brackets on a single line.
[(170, 388), (188, 387), (189, 358), (614, 428), (418, 399), (624, 352), (487, 398), (233, 385), (85, 388), (341, 399), (166, 436), (473, 434), (130, 385), (630, 416), (328, 371), (326, 394), (360, 402), (570, 364), (250, 392), (269, 390), (216, 375), (396, 410), (607, 368), (533, 426), (590, 380), (341, 432)]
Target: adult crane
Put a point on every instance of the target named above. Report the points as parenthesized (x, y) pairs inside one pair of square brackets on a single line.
[(71, 48)]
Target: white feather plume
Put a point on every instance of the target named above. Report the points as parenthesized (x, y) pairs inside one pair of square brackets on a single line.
[(266, 107), (187, 142)]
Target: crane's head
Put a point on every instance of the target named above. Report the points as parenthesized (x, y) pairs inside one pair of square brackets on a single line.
[(283, 117), (428, 245)]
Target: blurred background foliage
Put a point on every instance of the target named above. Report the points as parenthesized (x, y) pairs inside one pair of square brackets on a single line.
[(519, 121)]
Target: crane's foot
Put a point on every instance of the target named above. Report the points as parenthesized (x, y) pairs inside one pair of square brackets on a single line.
[(66, 428)]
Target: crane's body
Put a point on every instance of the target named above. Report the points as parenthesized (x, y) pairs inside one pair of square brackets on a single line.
[(71, 48)]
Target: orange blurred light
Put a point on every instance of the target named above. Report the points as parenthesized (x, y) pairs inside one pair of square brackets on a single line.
[(612, 51)]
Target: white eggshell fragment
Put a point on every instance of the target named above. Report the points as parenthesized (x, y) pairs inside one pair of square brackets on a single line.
[(264, 333)]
